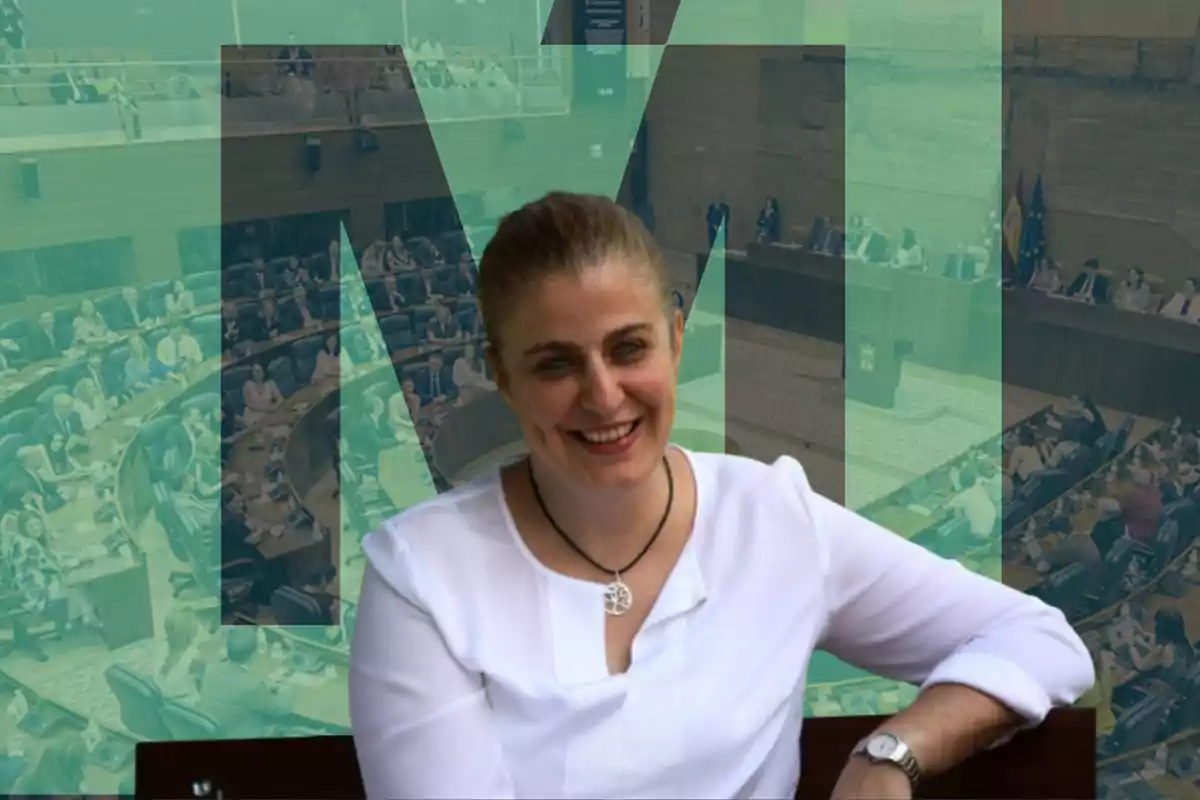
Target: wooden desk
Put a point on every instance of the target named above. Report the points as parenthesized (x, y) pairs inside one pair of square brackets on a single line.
[(1055, 761), (1140, 363)]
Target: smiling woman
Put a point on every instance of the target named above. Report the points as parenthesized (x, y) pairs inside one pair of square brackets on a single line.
[(617, 616)]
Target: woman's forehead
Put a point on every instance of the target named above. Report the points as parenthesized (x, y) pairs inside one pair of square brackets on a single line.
[(595, 302)]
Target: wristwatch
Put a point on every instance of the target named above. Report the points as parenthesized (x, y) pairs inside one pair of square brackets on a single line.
[(887, 748)]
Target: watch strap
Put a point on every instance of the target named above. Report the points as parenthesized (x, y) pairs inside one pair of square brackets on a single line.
[(900, 757)]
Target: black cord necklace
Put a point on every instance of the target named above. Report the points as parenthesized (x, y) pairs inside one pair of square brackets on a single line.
[(618, 598)]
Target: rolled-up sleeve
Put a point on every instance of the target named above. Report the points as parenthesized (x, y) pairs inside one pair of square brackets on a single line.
[(899, 610), (421, 722)]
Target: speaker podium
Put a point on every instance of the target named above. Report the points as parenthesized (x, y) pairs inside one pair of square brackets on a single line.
[(871, 366)]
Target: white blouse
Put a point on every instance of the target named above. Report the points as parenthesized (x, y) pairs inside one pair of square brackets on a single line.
[(478, 672)]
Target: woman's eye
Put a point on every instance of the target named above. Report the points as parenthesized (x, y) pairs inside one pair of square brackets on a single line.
[(552, 365), (628, 349)]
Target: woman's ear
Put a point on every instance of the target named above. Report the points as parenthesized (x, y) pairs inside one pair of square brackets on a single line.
[(677, 325)]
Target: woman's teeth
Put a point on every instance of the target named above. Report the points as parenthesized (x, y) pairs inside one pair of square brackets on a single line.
[(608, 434)]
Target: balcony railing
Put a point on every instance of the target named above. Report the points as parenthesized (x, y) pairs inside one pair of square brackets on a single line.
[(54, 105)]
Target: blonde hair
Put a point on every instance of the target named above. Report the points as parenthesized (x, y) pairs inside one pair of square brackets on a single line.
[(560, 232)]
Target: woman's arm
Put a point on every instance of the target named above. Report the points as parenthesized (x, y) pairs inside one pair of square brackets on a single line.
[(988, 658), (421, 721)]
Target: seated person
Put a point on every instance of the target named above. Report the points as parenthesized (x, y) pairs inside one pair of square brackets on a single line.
[(330, 360), (411, 397), (391, 300), (910, 255), (231, 330), (1046, 277), (1109, 525), (1075, 547), (1084, 421), (132, 312), (31, 570), (94, 370), (974, 503), (873, 247), (767, 224), (138, 368), (301, 274), (429, 289), (286, 279), (297, 315), (317, 586), (1026, 457), (62, 466), (177, 351), (467, 279), (1061, 451), (243, 705), (372, 430), (442, 328), (44, 343), (1125, 632), (1141, 504), (1184, 306), (1089, 285), (469, 376), (205, 443), (1133, 293), (1171, 656), (180, 302), (64, 419), (269, 324), (90, 404), (262, 396), (398, 258), (179, 660), (89, 327), (439, 385), (258, 282), (197, 511), (371, 265)]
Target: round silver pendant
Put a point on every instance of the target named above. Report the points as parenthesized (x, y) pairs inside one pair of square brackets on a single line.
[(617, 598)]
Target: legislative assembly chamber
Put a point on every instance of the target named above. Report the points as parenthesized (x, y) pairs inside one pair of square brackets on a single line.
[(238, 325)]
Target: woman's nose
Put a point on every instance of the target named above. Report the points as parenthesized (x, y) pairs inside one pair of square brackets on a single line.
[(601, 389)]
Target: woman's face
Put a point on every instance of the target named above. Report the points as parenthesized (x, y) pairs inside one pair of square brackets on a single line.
[(593, 354), (34, 528), (256, 372), (178, 287), (1133, 276)]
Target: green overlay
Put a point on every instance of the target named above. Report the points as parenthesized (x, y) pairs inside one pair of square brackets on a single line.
[(922, 148)]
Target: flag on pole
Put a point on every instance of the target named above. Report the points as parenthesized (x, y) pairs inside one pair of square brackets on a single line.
[(1012, 228), (1033, 234)]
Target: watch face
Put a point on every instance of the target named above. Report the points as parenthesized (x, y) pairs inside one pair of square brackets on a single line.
[(881, 747)]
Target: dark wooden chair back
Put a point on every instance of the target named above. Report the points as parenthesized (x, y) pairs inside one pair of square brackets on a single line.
[(1054, 762)]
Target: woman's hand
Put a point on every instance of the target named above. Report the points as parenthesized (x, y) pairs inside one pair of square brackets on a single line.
[(863, 780)]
